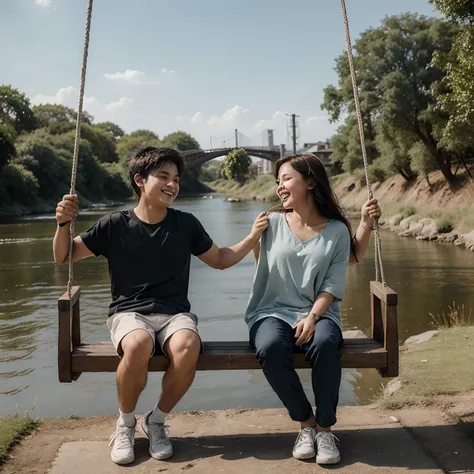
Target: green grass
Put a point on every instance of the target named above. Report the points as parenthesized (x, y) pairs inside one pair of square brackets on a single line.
[(407, 211), (441, 366), (444, 225), (12, 429)]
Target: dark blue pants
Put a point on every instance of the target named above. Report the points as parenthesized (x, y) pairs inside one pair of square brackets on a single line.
[(273, 340)]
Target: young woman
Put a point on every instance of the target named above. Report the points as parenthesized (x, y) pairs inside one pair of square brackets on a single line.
[(301, 270)]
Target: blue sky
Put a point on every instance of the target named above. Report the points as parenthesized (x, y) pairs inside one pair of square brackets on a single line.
[(203, 66)]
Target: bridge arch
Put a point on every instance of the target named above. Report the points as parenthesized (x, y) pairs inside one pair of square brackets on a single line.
[(195, 158)]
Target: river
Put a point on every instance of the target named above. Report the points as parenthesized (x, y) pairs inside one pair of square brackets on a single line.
[(427, 276)]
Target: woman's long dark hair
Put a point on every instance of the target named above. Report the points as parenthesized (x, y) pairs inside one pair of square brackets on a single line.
[(326, 202)]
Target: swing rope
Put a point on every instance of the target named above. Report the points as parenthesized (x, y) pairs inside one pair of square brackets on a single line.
[(78, 138), (379, 270)]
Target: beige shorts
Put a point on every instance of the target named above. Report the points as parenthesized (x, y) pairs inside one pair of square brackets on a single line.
[(160, 327)]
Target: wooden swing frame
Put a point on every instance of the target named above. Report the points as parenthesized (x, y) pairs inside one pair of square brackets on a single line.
[(379, 351)]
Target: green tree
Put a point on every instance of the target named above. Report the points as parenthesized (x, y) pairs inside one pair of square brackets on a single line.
[(114, 184), (236, 165), (211, 171), (128, 145), (396, 82), (19, 183), (144, 134), (180, 141), (48, 114), (90, 174), (7, 144), (458, 101), (422, 162), (15, 110), (36, 154), (111, 128), (103, 145), (394, 145)]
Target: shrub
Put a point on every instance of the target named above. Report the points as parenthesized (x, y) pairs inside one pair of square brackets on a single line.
[(19, 183), (444, 225)]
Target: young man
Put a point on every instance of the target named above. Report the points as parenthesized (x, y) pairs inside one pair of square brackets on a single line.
[(149, 250)]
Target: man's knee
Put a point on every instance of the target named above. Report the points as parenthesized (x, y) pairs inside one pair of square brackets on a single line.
[(137, 347), (183, 347)]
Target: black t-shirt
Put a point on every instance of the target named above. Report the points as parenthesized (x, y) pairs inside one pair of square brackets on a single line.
[(148, 263)]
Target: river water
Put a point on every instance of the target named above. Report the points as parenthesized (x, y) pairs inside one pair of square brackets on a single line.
[(427, 276)]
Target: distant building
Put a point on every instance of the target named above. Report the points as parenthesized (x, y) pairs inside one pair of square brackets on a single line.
[(319, 149)]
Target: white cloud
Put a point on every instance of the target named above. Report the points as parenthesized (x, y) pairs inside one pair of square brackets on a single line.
[(130, 76), (69, 97), (315, 119), (66, 96), (197, 118), (234, 113), (167, 71), (123, 103), (43, 3)]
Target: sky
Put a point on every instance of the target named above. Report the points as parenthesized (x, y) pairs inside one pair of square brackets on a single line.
[(203, 66)]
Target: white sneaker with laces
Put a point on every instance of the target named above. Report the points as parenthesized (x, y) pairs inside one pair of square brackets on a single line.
[(327, 449), (123, 441), (160, 445), (304, 445)]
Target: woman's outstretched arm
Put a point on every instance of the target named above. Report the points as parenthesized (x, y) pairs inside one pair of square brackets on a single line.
[(370, 211)]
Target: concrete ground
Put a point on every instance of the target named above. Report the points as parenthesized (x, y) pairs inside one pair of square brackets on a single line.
[(254, 441)]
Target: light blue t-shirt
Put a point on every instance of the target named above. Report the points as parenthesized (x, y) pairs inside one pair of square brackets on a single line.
[(291, 274)]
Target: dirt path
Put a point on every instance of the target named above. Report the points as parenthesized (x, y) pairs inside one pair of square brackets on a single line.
[(254, 441)]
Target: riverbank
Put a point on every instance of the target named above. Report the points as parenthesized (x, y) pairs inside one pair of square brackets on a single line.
[(189, 186), (261, 188)]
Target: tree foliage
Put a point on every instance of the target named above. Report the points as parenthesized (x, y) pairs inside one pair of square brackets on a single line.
[(180, 141), (396, 80), (15, 110), (128, 145), (458, 101), (236, 165), (7, 144), (111, 128)]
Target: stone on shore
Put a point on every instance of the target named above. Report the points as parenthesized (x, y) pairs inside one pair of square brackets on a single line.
[(421, 338)]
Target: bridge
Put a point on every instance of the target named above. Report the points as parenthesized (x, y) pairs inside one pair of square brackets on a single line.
[(195, 158)]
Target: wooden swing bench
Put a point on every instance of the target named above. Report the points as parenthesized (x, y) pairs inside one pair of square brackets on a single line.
[(380, 351)]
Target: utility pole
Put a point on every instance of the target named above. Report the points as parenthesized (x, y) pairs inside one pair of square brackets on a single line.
[(236, 139), (293, 128)]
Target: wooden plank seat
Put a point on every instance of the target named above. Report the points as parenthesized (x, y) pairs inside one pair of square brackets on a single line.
[(379, 351)]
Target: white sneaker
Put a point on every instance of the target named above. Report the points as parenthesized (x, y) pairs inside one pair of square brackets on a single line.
[(327, 449), (304, 445), (160, 445), (123, 441)]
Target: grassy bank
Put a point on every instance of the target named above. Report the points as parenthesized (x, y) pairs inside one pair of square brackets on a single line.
[(12, 429), (438, 372), (261, 188), (441, 366)]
